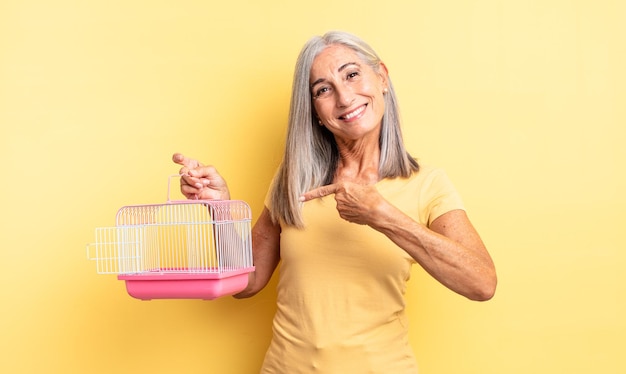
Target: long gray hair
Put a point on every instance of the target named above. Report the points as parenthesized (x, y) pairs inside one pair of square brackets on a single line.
[(311, 154)]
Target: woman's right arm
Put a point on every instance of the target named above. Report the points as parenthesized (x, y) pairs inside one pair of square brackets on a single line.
[(204, 182), (265, 253)]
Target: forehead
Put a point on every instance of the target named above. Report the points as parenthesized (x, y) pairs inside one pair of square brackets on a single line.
[(332, 58)]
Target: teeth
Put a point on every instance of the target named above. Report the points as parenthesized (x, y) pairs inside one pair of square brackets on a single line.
[(355, 113)]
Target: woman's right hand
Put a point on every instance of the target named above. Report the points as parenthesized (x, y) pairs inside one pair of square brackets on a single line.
[(200, 182)]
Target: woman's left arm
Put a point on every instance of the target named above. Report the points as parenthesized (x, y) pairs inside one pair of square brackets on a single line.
[(450, 249)]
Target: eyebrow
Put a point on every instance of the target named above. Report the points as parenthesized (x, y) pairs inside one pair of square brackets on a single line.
[(341, 68)]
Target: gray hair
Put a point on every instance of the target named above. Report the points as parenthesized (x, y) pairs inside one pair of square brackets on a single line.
[(311, 154)]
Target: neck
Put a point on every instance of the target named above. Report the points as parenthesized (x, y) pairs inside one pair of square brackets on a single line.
[(358, 164)]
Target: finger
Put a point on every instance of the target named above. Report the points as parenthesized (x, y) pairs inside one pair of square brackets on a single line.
[(187, 180), (188, 163), (202, 174), (318, 192), (178, 158), (189, 191)]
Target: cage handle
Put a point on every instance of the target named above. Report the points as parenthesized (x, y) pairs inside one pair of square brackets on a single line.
[(169, 182), (89, 251)]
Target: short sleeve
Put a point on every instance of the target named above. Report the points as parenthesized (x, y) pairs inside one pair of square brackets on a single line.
[(439, 195)]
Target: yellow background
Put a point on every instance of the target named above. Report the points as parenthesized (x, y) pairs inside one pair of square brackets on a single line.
[(522, 102)]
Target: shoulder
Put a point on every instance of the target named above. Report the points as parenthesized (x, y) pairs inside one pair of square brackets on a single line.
[(424, 177), (424, 195)]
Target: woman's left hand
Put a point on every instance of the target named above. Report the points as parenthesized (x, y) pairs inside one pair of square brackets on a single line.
[(355, 202)]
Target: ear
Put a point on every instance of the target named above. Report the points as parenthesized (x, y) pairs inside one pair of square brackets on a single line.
[(317, 118), (384, 73)]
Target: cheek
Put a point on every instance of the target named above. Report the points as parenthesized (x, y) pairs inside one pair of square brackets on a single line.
[(321, 110), (379, 104), (373, 90)]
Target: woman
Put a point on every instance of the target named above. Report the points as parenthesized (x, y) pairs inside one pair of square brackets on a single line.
[(347, 215)]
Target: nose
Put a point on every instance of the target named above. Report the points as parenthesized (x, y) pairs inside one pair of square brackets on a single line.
[(344, 95)]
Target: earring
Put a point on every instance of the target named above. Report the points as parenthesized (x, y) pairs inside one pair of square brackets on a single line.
[(385, 90)]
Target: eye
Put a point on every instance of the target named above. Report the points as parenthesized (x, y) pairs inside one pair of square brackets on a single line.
[(321, 92), (353, 75)]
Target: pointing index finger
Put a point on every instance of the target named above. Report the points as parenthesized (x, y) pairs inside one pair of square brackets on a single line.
[(318, 192), (188, 163), (180, 159)]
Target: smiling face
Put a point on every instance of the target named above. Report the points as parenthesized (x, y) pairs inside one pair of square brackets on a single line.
[(347, 93)]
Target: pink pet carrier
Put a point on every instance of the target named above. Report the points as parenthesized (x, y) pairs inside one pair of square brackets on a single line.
[(187, 249)]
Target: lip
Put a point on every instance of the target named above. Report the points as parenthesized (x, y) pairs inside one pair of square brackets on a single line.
[(360, 110)]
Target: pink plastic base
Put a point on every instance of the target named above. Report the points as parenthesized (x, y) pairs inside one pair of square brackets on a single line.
[(205, 286)]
